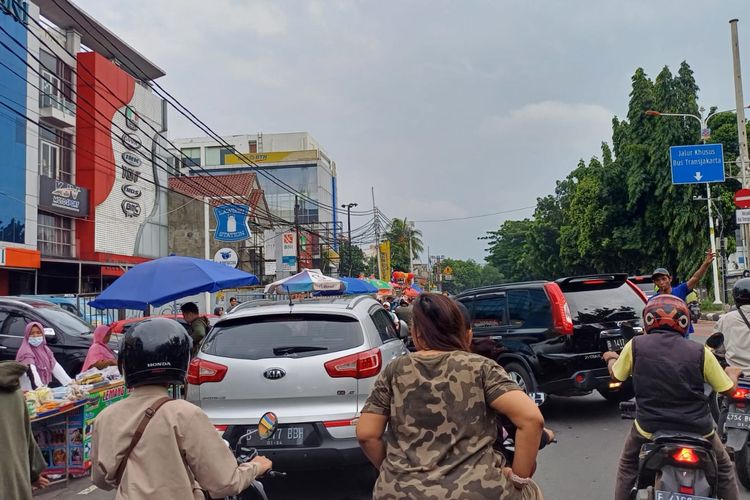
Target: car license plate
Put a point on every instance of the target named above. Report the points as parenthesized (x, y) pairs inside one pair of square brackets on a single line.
[(738, 420), (615, 344), (284, 436), (667, 495)]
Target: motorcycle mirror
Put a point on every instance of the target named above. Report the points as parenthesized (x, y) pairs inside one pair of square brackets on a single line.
[(538, 397), (267, 425), (715, 341)]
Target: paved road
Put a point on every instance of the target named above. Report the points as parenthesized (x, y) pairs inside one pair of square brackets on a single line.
[(581, 466)]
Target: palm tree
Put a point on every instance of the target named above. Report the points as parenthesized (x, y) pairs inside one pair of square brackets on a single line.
[(400, 234)]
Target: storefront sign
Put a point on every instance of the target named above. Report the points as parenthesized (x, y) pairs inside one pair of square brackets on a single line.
[(132, 119), (132, 159), (231, 222), (289, 251), (62, 198), (226, 256), (131, 208), (131, 141), (271, 157), (130, 175), (131, 191), (16, 8)]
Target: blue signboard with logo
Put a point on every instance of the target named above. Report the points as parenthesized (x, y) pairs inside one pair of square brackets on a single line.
[(697, 164), (231, 222)]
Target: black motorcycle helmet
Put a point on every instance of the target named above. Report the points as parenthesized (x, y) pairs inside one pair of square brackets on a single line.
[(741, 292), (156, 351)]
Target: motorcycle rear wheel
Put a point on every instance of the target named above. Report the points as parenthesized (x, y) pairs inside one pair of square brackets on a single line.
[(742, 464)]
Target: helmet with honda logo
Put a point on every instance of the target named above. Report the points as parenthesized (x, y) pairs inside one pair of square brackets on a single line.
[(156, 351), (666, 312)]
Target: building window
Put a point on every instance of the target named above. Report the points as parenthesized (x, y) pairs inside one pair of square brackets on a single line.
[(253, 146), (215, 155), (55, 154), (55, 235), (191, 157), (55, 87)]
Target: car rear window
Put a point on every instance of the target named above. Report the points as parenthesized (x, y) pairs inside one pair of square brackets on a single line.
[(283, 335), (602, 302)]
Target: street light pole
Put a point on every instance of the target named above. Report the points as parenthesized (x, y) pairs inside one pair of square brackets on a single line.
[(348, 207), (704, 126)]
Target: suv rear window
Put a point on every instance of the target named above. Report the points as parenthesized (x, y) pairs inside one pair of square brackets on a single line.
[(605, 302), (283, 335)]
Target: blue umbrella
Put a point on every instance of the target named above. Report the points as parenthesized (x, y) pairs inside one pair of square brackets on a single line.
[(353, 286), (163, 280), (309, 280), (416, 288)]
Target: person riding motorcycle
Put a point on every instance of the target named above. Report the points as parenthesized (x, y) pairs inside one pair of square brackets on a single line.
[(668, 373), (181, 455), (735, 326)]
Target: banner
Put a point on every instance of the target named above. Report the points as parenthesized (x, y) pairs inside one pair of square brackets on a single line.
[(385, 261), (289, 251), (271, 157)]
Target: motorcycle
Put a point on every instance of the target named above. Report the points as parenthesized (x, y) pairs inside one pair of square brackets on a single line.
[(506, 432), (674, 465), (266, 427), (734, 417)]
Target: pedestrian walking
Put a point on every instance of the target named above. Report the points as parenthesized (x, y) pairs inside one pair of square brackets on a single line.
[(439, 405), (21, 461)]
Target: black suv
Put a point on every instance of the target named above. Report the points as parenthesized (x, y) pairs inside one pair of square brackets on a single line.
[(550, 335), (69, 342)]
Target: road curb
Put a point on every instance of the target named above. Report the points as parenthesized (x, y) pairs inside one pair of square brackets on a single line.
[(712, 316)]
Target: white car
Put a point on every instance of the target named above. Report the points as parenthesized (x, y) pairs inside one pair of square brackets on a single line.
[(312, 363)]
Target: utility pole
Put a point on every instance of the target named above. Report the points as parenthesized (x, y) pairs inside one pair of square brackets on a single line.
[(296, 228), (739, 101), (411, 254), (377, 232), (348, 207)]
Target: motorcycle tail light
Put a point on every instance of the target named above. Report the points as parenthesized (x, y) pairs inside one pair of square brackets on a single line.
[(686, 456), (741, 394), (687, 490)]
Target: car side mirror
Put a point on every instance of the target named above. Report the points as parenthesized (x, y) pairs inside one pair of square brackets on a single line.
[(49, 332), (403, 330)]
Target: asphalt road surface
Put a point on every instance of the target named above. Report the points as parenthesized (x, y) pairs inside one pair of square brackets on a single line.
[(581, 466)]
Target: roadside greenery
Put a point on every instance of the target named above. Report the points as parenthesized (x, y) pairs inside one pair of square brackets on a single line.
[(619, 212)]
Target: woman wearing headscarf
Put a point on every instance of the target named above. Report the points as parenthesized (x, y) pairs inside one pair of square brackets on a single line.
[(41, 363), (100, 355)]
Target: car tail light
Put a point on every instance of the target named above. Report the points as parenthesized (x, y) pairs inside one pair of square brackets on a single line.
[(637, 290), (688, 490), (341, 423), (201, 371), (220, 428), (594, 282), (360, 365), (686, 456), (561, 318), (741, 394)]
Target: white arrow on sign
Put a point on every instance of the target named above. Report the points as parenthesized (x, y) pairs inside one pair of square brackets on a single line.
[(698, 176)]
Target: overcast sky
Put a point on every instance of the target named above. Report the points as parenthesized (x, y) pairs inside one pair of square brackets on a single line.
[(448, 108)]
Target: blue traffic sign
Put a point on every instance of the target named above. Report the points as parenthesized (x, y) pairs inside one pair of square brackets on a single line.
[(697, 164)]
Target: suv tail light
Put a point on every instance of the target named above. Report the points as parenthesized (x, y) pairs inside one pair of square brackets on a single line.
[(561, 318), (686, 456), (637, 290), (201, 371), (360, 365)]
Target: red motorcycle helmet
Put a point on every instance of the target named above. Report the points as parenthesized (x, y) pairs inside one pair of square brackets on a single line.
[(666, 312)]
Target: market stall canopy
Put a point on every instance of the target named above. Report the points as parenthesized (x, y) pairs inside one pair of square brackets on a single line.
[(164, 280), (309, 280), (353, 286), (379, 284), (411, 292), (417, 288)]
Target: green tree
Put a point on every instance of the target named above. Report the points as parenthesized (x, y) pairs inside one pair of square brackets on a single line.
[(469, 274), (400, 234), (353, 262)]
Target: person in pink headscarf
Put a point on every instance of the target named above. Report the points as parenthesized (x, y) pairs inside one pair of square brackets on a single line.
[(100, 355), (41, 363)]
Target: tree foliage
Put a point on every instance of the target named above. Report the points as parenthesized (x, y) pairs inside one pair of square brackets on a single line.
[(469, 274), (353, 262), (619, 211), (400, 233)]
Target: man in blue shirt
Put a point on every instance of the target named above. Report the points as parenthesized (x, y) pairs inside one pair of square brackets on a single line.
[(663, 281)]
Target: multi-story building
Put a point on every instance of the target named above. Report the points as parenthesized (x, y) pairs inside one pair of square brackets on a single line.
[(82, 152), (291, 168)]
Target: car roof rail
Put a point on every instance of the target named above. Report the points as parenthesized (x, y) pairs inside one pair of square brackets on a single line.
[(613, 277), (356, 300), (499, 285)]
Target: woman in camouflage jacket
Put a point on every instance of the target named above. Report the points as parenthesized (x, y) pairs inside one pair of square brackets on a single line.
[(439, 406)]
